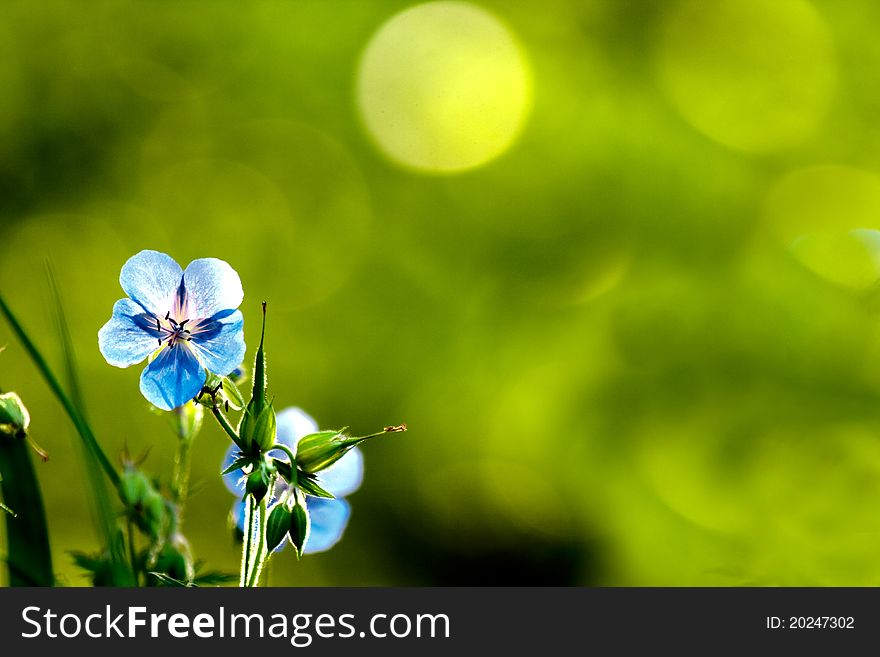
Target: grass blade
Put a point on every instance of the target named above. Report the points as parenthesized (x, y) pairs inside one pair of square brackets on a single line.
[(79, 422), (102, 510)]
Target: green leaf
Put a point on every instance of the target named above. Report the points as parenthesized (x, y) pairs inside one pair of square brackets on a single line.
[(278, 525), (87, 562), (29, 558), (215, 577)]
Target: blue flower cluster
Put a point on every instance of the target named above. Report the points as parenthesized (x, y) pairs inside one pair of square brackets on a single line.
[(328, 517)]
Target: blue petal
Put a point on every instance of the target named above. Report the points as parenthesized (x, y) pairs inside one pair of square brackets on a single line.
[(173, 378), (212, 286), (152, 279), (328, 518), (292, 424), (234, 481), (129, 336), (219, 343), (345, 476)]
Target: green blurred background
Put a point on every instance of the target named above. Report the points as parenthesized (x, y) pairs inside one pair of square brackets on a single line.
[(594, 253)]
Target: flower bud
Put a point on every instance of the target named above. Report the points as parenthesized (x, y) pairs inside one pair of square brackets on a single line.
[(186, 420), (278, 525), (320, 450), (144, 505), (133, 487), (300, 523), (14, 416), (258, 427), (257, 484)]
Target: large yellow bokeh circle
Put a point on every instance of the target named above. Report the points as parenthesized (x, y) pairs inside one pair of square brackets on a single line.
[(443, 87)]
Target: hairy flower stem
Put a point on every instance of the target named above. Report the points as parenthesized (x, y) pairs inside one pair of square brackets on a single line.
[(247, 541), (261, 550)]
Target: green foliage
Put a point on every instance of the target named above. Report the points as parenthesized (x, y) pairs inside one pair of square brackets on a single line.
[(619, 371), (28, 556)]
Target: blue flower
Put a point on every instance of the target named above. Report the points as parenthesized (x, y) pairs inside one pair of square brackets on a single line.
[(188, 318), (328, 517)]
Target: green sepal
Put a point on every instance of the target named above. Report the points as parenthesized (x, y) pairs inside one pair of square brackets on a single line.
[(309, 484), (233, 394), (285, 470), (278, 525), (265, 427), (258, 426), (220, 391), (300, 523), (238, 464)]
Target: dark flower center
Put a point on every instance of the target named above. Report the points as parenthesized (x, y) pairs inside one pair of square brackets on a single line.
[(172, 332)]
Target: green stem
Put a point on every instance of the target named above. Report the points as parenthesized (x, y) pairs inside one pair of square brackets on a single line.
[(224, 423), (247, 541), (132, 554), (261, 547), (285, 449), (180, 476), (79, 423)]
